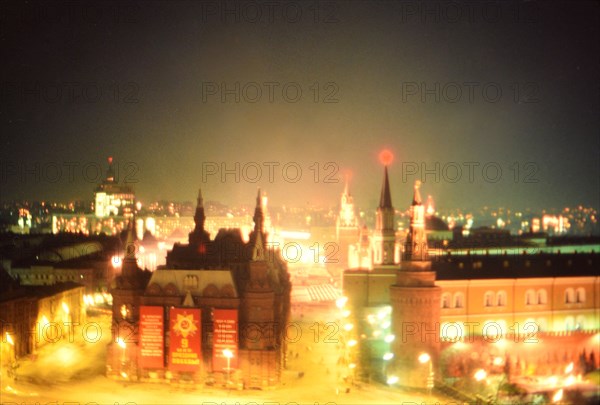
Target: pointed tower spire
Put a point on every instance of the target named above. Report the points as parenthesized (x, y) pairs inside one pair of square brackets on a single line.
[(385, 200), (258, 251), (259, 218), (130, 241), (417, 194), (346, 185), (200, 200), (385, 234), (199, 234), (129, 266), (415, 248), (199, 216)]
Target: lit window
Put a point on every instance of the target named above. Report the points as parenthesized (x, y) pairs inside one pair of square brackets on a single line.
[(580, 295), (458, 300), (569, 296), (542, 297), (446, 300), (501, 299), (124, 311), (489, 299)]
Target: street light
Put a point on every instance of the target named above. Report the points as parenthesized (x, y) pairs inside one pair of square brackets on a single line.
[(341, 302), (123, 346), (228, 354), (11, 342), (426, 358), (392, 380), (480, 374), (558, 396)]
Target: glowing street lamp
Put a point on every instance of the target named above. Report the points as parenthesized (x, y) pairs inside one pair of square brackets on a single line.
[(388, 356), (123, 346), (480, 375), (341, 302), (569, 368), (9, 339), (392, 380), (558, 396), (228, 355)]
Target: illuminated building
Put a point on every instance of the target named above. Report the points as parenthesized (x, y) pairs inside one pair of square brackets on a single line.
[(112, 198), (28, 310), (78, 259), (402, 311), (236, 296), (415, 300), (347, 229)]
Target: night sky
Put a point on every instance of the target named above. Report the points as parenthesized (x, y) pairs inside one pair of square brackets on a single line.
[(143, 82)]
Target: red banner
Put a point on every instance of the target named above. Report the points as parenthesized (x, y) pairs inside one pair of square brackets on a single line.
[(185, 344), (151, 337), (225, 339)]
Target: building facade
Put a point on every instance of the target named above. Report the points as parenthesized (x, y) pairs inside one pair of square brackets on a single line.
[(237, 292), (406, 311)]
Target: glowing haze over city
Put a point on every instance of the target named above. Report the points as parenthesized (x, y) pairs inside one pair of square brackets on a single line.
[(310, 202)]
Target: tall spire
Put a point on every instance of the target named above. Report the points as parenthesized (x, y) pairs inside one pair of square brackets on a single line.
[(199, 234), (415, 248), (200, 200), (386, 198), (416, 194), (199, 216), (258, 251), (259, 218), (129, 261), (346, 186), (385, 235)]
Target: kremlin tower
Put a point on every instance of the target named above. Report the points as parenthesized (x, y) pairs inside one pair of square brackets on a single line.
[(415, 301)]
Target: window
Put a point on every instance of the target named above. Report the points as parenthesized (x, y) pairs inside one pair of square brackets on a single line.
[(501, 299), (569, 296), (488, 300), (190, 282), (529, 297), (459, 300), (542, 297), (580, 295), (446, 300), (125, 311)]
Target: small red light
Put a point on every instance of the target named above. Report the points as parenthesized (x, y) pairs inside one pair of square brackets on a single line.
[(386, 157)]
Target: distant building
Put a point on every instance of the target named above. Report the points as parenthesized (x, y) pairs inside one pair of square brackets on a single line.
[(74, 258), (347, 229), (235, 296), (405, 309), (32, 316), (112, 198)]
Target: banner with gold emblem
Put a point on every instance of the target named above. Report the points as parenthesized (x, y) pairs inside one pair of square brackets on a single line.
[(185, 339)]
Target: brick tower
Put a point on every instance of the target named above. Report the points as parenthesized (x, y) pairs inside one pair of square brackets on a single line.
[(415, 301)]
